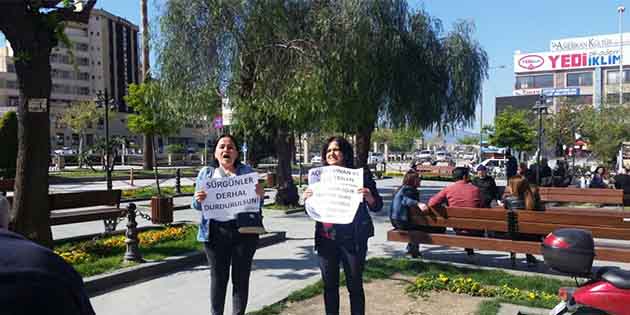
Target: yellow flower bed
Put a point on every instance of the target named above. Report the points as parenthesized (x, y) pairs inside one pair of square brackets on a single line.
[(86, 251), (462, 285)]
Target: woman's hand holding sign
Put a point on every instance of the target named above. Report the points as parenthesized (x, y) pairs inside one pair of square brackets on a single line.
[(308, 193), (367, 195), (200, 196)]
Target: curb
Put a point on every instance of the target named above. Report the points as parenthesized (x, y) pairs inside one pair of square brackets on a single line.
[(511, 309), (101, 284)]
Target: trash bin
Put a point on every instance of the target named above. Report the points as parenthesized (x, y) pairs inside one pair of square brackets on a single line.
[(161, 210)]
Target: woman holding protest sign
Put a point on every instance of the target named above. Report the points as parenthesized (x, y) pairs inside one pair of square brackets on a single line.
[(223, 243), (345, 243)]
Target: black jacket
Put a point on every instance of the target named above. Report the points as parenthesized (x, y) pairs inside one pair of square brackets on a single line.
[(34, 280), (361, 228), (488, 190)]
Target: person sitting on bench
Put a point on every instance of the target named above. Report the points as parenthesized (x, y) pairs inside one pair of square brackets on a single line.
[(459, 194), (407, 197), (519, 195)]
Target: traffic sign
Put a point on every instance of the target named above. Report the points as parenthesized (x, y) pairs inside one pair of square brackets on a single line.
[(218, 122)]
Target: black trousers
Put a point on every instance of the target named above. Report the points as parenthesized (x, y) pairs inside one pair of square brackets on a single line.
[(352, 256), (227, 247)]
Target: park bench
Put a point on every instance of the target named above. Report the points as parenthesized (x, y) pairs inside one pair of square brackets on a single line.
[(85, 206), (442, 171), (582, 195), (612, 225)]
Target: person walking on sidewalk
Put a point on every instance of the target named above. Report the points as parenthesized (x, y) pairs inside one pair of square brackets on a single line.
[(34, 280), (224, 245), (345, 244)]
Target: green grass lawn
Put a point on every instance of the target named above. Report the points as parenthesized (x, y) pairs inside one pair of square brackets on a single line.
[(383, 268), (149, 191), (106, 259), (80, 173)]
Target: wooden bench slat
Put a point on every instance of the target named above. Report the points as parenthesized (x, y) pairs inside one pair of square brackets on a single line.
[(601, 252), (595, 195), (67, 217), (615, 220), (84, 199)]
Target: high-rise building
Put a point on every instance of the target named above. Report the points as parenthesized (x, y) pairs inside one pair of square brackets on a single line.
[(104, 57)]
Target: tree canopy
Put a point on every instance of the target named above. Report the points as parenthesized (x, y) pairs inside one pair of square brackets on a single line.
[(513, 129)]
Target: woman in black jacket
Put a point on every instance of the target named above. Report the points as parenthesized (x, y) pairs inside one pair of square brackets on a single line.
[(345, 244)]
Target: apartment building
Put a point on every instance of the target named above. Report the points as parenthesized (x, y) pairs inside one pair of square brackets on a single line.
[(104, 56)]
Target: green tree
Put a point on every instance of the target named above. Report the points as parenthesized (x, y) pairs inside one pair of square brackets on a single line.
[(34, 27), (604, 129), (79, 117), (512, 129), (153, 116), (397, 139), (9, 144), (468, 140), (561, 125), (384, 61), (260, 54)]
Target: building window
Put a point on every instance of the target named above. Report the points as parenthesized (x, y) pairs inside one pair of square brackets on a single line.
[(613, 98), (14, 101), (580, 79), (11, 68), (578, 100), (12, 84), (534, 81), (612, 76)]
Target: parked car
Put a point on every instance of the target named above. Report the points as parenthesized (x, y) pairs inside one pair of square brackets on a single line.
[(65, 151), (316, 159), (442, 156), (375, 158), (424, 155), (468, 156)]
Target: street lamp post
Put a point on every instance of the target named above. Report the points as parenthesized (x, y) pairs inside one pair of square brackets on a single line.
[(539, 107), (621, 9), (102, 99), (481, 113)]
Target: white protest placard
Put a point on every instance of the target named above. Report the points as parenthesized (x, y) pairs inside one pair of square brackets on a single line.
[(335, 194), (228, 196)]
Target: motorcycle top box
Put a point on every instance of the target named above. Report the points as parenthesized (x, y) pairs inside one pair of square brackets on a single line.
[(570, 251)]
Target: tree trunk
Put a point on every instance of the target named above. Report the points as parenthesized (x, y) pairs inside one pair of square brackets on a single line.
[(31, 216), (287, 192), (145, 40), (363, 146), (80, 152), (147, 152)]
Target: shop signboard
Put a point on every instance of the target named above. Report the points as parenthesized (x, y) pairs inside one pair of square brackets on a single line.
[(552, 61)]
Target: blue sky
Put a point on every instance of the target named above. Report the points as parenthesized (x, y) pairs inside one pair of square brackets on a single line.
[(503, 26)]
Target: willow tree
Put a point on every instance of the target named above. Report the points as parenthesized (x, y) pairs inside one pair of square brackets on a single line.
[(34, 27), (384, 62), (259, 54)]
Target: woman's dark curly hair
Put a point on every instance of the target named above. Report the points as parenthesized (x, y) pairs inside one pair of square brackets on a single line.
[(237, 162), (346, 150)]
